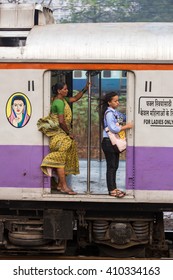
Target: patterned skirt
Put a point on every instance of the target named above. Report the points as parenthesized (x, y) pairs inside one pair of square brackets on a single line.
[(63, 154)]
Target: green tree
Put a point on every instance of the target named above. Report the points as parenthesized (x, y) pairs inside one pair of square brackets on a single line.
[(97, 10), (119, 10), (152, 11)]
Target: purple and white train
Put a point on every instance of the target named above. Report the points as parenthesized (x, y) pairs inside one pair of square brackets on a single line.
[(34, 54)]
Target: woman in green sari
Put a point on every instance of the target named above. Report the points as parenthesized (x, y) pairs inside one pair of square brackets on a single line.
[(63, 152)]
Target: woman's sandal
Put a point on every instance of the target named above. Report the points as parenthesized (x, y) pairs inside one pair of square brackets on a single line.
[(117, 193), (113, 193), (120, 194)]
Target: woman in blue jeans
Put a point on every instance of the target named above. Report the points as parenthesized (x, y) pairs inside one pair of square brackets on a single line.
[(112, 119)]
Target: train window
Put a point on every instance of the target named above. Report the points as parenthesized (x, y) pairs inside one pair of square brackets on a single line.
[(106, 73), (77, 74), (12, 42)]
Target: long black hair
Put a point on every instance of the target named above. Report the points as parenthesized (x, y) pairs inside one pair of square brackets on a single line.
[(104, 103), (57, 86)]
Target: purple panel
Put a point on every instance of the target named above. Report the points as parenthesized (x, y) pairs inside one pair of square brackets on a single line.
[(152, 168), (20, 167)]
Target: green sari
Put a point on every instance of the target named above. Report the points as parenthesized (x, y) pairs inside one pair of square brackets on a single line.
[(63, 149)]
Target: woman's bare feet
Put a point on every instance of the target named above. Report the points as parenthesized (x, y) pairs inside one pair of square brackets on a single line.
[(68, 190)]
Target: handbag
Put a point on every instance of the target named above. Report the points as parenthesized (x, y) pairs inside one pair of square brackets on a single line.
[(116, 140)]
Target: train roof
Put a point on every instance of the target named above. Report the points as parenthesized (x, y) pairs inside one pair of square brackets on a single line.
[(95, 42)]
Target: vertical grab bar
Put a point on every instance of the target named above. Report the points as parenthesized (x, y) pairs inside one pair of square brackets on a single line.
[(100, 124), (89, 135)]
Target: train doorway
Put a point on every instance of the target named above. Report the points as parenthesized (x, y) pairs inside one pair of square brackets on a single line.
[(87, 126)]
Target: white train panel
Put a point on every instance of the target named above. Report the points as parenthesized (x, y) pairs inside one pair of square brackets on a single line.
[(27, 84)]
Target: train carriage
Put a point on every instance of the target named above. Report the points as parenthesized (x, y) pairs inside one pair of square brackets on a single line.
[(109, 81), (32, 215)]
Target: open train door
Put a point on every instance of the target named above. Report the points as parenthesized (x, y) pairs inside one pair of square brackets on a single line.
[(50, 78), (92, 177), (87, 128)]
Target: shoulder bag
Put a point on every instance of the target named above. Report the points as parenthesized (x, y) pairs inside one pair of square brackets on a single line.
[(116, 140)]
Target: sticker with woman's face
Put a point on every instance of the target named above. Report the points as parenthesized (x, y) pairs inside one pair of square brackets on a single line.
[(18, 110)]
